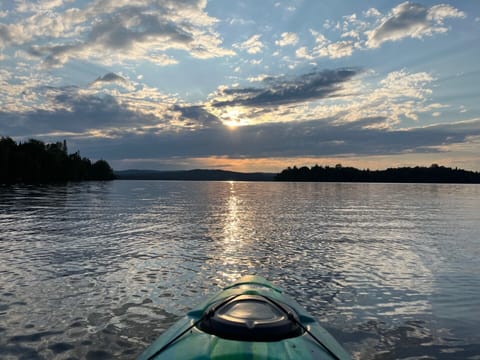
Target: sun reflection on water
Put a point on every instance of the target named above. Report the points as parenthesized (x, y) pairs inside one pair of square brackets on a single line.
[(232, 218), (233, 241)]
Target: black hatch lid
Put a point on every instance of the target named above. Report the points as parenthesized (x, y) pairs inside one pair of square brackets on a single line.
[(251, 318)]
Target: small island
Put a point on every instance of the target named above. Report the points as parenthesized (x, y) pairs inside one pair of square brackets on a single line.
[(418, 174), (36, 162)]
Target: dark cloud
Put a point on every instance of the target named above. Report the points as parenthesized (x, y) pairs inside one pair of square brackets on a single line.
[(313, 138), (74, 113), (5, 35), (201, 134), (109, 78), (281, 91), (77, 112), (197, 115), (54, 55)]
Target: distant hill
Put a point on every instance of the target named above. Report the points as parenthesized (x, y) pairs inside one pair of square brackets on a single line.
[(197, 174)]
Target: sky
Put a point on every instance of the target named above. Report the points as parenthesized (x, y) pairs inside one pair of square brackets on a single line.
[(245, 85)]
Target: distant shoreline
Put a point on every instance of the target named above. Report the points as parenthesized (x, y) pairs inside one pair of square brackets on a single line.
[(418, 174), (193, 175), (433, 174)]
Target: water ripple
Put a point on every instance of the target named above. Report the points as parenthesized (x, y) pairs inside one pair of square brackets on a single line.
[(98, 270)]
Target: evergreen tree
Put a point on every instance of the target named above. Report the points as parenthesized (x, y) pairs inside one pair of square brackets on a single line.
[(35, 161)]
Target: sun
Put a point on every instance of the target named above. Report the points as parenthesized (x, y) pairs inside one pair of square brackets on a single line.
[(233, 124), (233, 117)]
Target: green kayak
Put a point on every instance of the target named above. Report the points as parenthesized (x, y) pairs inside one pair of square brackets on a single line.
[(250, 319)]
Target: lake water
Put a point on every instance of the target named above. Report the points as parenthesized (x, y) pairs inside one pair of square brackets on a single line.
[(98, 270)]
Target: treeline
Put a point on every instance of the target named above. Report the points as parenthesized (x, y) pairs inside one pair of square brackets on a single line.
[(339, 173), (34, 161)]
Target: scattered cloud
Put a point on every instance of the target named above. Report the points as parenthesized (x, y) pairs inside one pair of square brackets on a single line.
[(325, 48), (351, 34), (336, 50), (372, 13), (252, 45), (407, 20), (290, 8), (303, 53), (412, 20), (258, 78), (287, 38), (239, 21)]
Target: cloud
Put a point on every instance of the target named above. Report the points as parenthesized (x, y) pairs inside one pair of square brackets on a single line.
[(109, 32), (321, 113), (75, 112), (412, 20), (287, 38), (371, 29), (252, 45), (5, 35), (372, 12), (336, 50), (258, 78), (103, 125), (303, 53), (326, 48), (109, 78), (194, 115), (345, 94), (397, 96), (102, 109), (351, 34), (27, 7), (280, 91), (298, 139)]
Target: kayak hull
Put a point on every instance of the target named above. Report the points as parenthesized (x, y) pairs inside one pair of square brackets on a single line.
[(185, 340)]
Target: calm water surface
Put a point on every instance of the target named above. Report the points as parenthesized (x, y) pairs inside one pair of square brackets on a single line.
[(99, 270)]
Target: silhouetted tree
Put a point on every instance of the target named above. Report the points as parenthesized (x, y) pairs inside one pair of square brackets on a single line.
[(35, 161), (101, 170), (339, 173)]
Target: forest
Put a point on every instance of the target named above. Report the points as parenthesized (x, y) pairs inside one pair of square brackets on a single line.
[(432, 174), (34, 161)]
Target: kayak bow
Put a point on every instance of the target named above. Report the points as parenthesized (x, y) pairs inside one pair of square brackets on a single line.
[(250, 319)]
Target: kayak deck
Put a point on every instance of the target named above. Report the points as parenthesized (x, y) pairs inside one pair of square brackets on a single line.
[(250, 319)]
